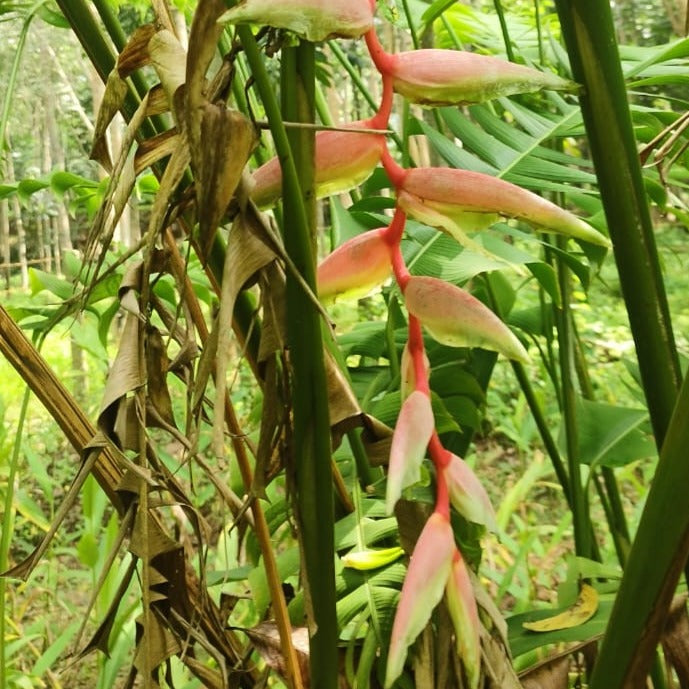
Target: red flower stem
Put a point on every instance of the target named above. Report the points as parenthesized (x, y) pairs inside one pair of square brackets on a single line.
[(416, 351), (398, 267), (383, 61), (441, 458), (380, 119), (442, 495), (392, 234), (395, 172)]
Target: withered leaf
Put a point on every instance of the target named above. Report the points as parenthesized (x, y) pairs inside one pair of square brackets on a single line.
[(26, 566), (218, 157), (157, 363), (550, 675), (124, 376), (100, 638), (266, 640), (113, 99), (169, 61), (154, 149), (135, 54)]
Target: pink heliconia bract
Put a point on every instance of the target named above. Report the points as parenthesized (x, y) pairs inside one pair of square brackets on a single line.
[(429, 570), (315, 20), (464, 614), (455, 318), (467, 494), (410, 439), (407, 372), (355, 267), (453, 77), (430, 194), (344, 159)]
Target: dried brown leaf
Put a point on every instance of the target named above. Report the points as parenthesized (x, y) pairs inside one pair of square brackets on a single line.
[(158, 102), (169, 60), (157, 642), (113, 99), (157, 363), (271, 441), (23, 569), (218, 157), (273, 331), (135, 54), (245, 256), (154, 149), (551, 675), (266, 640), (123, 379), (203, 38), (99, 639)]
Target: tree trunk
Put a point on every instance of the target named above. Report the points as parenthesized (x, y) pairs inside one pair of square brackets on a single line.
[(54, 158), (18, 223)]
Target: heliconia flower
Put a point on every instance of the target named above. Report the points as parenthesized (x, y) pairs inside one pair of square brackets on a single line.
[(448, 198), (315, 20), (412, 434), (464, 614), (455, 318), (371, 559), (407, 372), (454, 77), (429, 570), (355, 267), (344, 159), (467, 494)]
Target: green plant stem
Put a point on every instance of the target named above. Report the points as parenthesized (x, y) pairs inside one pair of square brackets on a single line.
[(543, 429), (6, 536), (579, 502), (505, 31), (608, 491), (589, 33), (14, 71), (311, 424), (655, 563)]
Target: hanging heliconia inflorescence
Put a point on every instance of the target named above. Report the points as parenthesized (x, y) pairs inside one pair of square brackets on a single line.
[(453, 201)]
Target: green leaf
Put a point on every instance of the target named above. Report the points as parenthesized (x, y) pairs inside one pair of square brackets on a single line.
[(522, 641), (6, 190), (55, 650), (288, 566), (62, 181), (52, 17), (28, 187), (88, 549), (40, 280), (611, 435)]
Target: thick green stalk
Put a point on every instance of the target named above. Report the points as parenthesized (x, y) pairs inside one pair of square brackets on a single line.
[(311, 423), (655, 563), (589, 32)]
